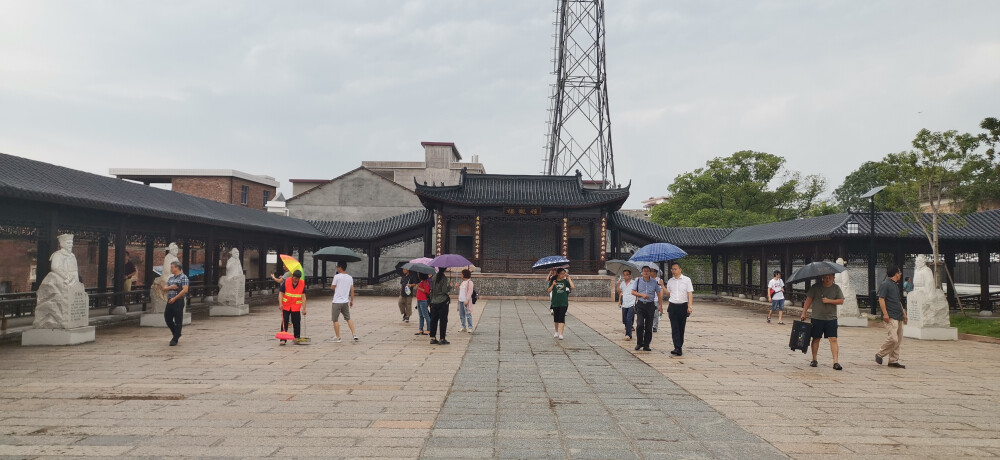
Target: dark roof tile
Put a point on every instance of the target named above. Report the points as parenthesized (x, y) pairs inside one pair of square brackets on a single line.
[(685, 238), (521, 190), (371, 230)]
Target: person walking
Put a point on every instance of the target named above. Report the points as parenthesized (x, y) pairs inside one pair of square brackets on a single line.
[(680, 298), (423, 292), (176, 290), (548, 282), (293, 304), (343, 300), (824, 298), (646, 289), (439, 301), (406, 284), (893, 317), (776, 295), (131, 273), (465, 301), (560, 288), (626, 300)]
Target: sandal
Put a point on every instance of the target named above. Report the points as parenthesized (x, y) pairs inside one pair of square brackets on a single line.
[(837, 367), (813, 363), (419, 333)]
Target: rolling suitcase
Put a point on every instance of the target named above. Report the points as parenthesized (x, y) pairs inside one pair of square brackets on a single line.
[(801, 336)]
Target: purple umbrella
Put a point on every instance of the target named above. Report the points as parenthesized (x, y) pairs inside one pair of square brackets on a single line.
[(422, 260), (449, 260)]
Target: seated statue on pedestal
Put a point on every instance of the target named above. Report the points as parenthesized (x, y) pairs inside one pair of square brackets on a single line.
[(61, 293), (232, 287), (926, 305), (848, 309), (157, 296)]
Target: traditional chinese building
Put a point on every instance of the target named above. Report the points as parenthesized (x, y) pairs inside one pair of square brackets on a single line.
[(504, 223)]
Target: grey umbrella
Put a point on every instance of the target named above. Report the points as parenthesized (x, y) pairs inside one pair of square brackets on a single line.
[(337, 254), (420, 268), (815, 270), (616, 266)]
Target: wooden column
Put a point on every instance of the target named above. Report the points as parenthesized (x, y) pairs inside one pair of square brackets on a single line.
[(315, 265), (984, 279), (185, 257), (762, 282), (715, 273), (429, 241), (121, 245), (46, 245), (149, 274), (102, 263), (242, 248), (949, 263), (725, 268), (371, 262), (211, 257), (262, 261), (743, 268)]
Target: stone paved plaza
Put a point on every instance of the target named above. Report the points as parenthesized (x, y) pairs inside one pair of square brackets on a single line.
[(509, 390)]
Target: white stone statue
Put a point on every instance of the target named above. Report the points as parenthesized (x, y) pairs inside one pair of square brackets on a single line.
[(62, 302), (232, 287), (848, 314), (157, 296), (926, 306)]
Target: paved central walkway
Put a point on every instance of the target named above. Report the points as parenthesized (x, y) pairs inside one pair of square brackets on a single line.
[(520, 393)]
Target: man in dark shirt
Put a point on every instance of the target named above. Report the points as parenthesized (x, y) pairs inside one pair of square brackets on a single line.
[(893, 316)]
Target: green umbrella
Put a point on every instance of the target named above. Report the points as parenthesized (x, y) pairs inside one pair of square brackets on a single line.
[(337, 254)]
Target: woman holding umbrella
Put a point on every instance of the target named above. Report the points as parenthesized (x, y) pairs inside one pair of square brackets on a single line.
[(560, 288), (439, 307)]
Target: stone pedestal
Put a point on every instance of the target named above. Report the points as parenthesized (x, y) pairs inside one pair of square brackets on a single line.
[(852, 321), (72, 336), (156, 320), (229, 310), (930, 333), (985, 313), (119, 310)]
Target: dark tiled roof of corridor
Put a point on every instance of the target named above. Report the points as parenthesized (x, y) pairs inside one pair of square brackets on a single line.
[(21, 178), (680, 236), (521, 190), (371, 230)]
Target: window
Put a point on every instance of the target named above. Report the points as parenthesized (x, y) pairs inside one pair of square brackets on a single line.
[(243, 195), (267, 196)]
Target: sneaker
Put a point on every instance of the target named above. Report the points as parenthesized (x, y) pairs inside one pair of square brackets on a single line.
[(675, 352), (443, 342), (461, 330), (173, 343), (560, 337), (769, 320), (878, 359), (419, 333), (469, 330), (335, 340), (406, 320), (628, 337), (637, 347), (356, 338), (813, 363), (647, 349), (781, 322), (837, 367), (282, 343), (896, 365), (555, 335), (434, 341)]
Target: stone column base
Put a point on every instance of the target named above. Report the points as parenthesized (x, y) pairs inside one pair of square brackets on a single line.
[(229, 310), (156, 320), (930, 333), (119, 310), (74, 336), (852, 321)]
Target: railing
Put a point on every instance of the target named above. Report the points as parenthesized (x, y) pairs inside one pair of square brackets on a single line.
[(515, 265), (973, 301)]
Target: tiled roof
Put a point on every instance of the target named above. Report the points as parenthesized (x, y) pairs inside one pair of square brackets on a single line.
[(521, 190), (371, 230), (810, 229), (685, 238), (21, 178)]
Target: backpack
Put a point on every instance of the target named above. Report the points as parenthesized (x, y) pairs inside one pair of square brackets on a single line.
[(475, 296)]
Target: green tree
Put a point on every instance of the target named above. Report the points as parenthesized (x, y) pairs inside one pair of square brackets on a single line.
[(869, 175), (736, 191)]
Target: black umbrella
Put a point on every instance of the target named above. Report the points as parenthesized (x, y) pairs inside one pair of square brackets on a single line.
[(337, 254), (420, 268), (815, 270)]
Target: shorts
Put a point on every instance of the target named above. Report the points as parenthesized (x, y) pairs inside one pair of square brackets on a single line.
[(778, 304), (824, 328), (339, 308), (559, 314)]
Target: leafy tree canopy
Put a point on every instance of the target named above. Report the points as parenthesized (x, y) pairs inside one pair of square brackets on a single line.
[(745, 188)]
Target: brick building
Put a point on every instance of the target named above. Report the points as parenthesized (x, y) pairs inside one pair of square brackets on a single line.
[(223, 185)]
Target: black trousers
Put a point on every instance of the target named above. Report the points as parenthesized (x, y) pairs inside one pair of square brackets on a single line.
[(439, 318), (678, 314), (296, 319), (174, 317), (644, 313)]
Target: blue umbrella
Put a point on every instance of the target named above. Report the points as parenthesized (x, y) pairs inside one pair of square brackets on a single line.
[(658, 252), (550, 262)]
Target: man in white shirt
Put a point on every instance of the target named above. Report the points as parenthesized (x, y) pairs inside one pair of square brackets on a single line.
[(626, 299), (343, 300), (776, 295), (680, 295)]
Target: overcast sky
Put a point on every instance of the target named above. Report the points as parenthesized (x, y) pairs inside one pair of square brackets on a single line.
[(310, 89)]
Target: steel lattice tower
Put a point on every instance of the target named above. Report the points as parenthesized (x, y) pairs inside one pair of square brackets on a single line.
[(579, 128)]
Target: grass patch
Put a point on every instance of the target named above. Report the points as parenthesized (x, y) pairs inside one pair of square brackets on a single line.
[(970, 325)]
